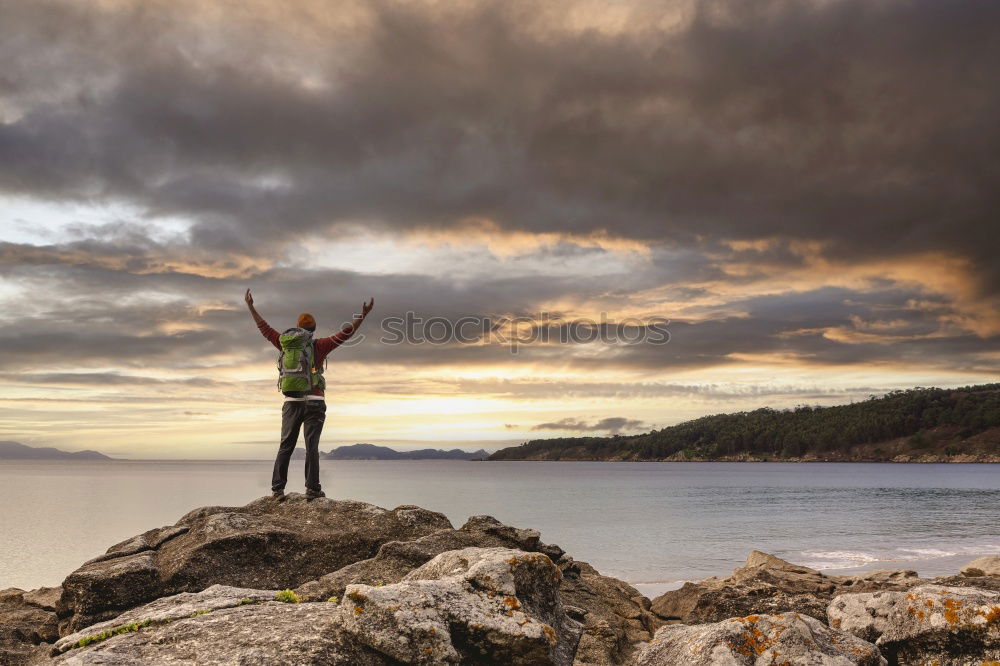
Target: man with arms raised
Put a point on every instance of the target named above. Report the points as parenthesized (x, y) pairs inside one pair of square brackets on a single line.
[(300, 379)]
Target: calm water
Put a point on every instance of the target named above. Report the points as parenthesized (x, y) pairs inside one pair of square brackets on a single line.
[(648, 523)]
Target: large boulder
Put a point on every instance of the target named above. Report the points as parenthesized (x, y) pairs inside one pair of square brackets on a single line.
[(787, 638), (27, 620), (265, 544), (768, 584), (948, 626), (319, 548), (614, 614), (471, 606), (474, 606), (983, 566)]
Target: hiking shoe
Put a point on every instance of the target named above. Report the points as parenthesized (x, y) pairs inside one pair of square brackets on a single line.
[(278, 495), (313, 494)]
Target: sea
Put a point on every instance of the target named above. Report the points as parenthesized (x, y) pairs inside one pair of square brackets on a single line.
[(654, 525)]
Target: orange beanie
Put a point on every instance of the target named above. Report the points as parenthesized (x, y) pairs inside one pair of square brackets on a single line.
[(306, 320)]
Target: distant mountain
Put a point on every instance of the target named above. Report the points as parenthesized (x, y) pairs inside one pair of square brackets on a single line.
[(373, 452), (918, 425), (18, 451)]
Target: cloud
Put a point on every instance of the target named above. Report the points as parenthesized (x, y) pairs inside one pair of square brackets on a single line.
[(610, 424), (807, 187), (822, 121)]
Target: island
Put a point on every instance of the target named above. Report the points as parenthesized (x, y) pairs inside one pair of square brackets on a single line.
[(18, 451), (373, 452)]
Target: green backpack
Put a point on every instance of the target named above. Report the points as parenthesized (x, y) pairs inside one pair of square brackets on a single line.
[(297, 375)]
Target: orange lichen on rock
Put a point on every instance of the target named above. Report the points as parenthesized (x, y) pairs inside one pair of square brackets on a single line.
[(992, 615), (951, 607), (753, 641), (512, 603)]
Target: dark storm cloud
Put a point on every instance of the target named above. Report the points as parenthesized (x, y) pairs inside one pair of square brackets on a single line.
[(610, 424), (870, 126)]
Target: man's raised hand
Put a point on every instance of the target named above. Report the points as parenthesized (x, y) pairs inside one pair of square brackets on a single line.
[(248, 298), (365, 307)]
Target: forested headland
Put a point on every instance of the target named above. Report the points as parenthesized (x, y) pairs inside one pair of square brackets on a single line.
[(915, 425)]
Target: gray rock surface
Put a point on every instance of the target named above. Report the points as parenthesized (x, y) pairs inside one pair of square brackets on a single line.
[(474, 606), (168, 609), (488, 606), (768, 584), (790, 639), (948, 626), (267, 634), (265, 544), (983, 566)]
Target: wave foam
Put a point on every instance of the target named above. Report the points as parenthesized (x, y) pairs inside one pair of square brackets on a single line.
[(852, 559), (837, 559)]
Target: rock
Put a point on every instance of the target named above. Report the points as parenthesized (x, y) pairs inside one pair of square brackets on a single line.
[(477, 605), (991, 583), (267, 634), (768, 584), (879, 579), (46, 598), (104, 589), (615, 616), (265, 544), (926, 624), (788, 638), (149, 540), (168, 609), (474, 606), (983, 566), (395, 559), (25, 624), (714, 600), (318, 549), (760, 560)]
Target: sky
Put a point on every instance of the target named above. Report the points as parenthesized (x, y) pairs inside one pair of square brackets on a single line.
[(739, 204)]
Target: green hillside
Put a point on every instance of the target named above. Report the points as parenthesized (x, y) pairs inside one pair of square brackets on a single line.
[(919, 424)]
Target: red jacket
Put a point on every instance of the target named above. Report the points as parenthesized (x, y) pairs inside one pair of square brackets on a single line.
[(323, 345)]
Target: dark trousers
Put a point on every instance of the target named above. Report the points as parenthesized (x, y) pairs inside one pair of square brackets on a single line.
[(309, 415)]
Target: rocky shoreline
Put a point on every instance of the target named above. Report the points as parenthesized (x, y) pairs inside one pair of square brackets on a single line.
[(342, 582)]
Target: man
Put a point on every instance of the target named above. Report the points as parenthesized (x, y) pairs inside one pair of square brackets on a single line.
[(309, 411)]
